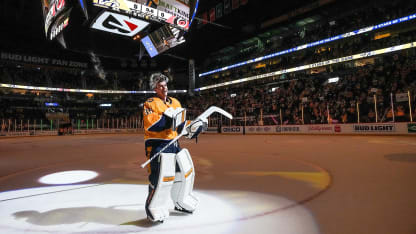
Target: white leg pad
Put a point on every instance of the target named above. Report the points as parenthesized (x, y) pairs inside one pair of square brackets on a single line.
[(159, 203), (181, 192)]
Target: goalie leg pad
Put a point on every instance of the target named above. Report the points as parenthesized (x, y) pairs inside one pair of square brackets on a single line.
[(158, 200), (181, 192)]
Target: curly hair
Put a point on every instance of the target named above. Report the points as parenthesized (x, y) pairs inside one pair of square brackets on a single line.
[(156, 78)]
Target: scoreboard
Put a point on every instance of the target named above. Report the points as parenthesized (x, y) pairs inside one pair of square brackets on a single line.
[(171, 12), (118, 27)]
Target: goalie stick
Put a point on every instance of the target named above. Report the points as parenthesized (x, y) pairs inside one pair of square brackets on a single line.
[(202, 117)]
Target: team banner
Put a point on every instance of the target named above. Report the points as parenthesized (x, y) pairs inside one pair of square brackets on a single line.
[(219, 10), (172, 12), (227, 6), (212, 14)]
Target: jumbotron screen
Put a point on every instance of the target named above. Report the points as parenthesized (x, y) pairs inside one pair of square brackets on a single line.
[(173, 12), (53, 10), (98, 25)]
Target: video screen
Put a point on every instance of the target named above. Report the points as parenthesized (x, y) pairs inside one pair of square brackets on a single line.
[(59, 25), (162, 39), (51, 9), (174, 12)]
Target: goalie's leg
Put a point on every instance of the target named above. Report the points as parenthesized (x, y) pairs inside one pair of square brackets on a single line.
[(157, 202), (181, 193)]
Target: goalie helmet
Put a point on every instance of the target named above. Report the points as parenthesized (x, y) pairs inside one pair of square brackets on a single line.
[(156, 78)]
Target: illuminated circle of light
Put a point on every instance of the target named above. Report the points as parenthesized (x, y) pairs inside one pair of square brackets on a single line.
[(119, 208), (68, 177)]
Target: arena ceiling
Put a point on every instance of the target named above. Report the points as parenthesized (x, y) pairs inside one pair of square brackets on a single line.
[(22, 29)]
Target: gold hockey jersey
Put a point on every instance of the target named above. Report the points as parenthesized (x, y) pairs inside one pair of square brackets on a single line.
[(156, 125)]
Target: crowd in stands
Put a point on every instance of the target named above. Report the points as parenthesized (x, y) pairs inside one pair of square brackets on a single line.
[(325, 52), (339, 21), (381, 77), (295, 98), (59, 77)]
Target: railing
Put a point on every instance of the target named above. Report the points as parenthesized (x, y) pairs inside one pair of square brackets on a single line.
[(53, 127), (402, 105)]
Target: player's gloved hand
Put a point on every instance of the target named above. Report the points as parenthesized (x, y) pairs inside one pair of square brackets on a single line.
[(196, 128)]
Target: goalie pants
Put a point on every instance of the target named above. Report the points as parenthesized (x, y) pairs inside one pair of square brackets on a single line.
[(152, 147)]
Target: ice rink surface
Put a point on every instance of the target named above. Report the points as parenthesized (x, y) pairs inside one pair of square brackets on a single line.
[(246, 184)]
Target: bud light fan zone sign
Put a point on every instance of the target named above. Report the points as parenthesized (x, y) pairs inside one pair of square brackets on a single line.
[(119, 24)]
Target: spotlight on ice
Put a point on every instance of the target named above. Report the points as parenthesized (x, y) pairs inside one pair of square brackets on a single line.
[(68, 177)]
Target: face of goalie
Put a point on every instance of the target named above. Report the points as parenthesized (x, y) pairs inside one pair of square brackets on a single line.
[(162, 90)]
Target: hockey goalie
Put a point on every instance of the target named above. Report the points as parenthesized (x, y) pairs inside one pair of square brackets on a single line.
[(171, 170)]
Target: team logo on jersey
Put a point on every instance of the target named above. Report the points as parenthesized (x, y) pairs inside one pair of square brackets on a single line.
[(119, 24)]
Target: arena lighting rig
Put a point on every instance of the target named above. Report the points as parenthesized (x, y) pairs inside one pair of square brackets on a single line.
[(314, 65), (118, 27), (312, 44)]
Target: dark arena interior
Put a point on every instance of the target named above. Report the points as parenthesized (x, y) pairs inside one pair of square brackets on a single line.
[(322, 96)]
